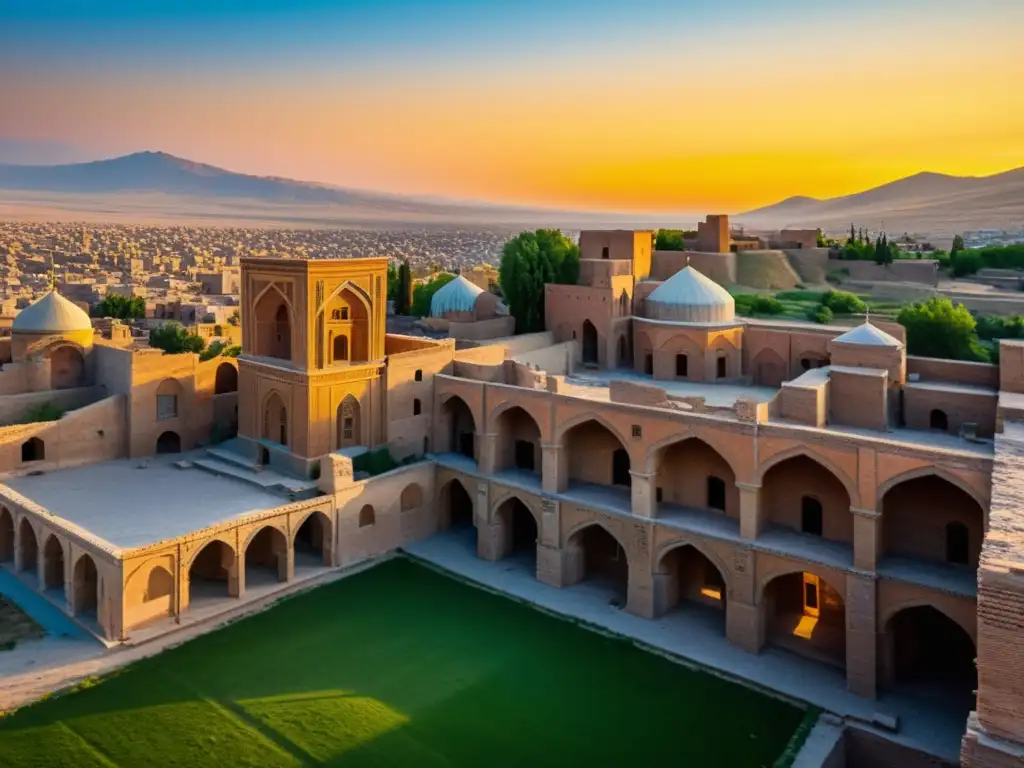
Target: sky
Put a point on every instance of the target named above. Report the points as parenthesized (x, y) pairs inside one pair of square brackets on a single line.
[(612, 105)]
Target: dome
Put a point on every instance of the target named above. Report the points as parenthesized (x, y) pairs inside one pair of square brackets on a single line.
[(869, 336), (52, 314), (459, 295), (690, 297)]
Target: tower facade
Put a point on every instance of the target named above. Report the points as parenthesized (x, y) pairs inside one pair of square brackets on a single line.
[(310, 372)]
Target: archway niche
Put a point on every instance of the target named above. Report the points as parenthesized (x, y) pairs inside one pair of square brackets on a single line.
[(28, 547), (590, 354), (937, 419), (770, 369), (211, 572), (693, 474), (275, 419), (273, 326), (688, 580), (168, 442), (86, 586), (6, 535), (519, 532), (411, 498), (930, 518), (804, 614), (67, 368), (53, 564), (786, 485), (595, 556), (159, 585), (926, 652), (266, 557), (226, 379), (459, 427), (625, 360), (349, 423), (367, 516), (518, 441), (456, 508), (348, 320), (313, 541), (595, 455), (33, 449), (340, 349)]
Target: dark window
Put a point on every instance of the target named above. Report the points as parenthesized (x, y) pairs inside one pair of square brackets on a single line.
[(649, 365), (638, 431), (419, 375), (658, 494), (721, 368), (681, 365), (810, 516), (33, 449), (716, 493), (805, 363), (524, 455), (938, 420), (336, 314), (605, 252), (957, 543), (417, 408), (344, 313), (426, 445), (620, 468), (810, 595), (466, 445)]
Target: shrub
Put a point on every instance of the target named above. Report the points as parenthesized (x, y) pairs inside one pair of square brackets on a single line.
[(820, 314), (966, 263), (42, 412), (843, 303), (837, 276), (815, 296)]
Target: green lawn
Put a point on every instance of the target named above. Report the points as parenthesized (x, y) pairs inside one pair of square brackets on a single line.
[(402, 666)]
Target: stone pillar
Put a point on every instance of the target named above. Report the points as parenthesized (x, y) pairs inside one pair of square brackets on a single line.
[(861, 635), (644, 495), (744, 625), (554, 475), (236, 572), (488, 458), (485, 534), (70, 586), (286, 564), (640, 592), (490, 541), (751, 514), (18, 564), (549, 523), (867, 528), (550, 565)]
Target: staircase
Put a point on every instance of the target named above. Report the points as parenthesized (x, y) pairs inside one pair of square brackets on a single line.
[(228, 460)]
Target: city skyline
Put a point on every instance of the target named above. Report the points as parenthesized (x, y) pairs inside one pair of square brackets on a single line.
[(644, 107)]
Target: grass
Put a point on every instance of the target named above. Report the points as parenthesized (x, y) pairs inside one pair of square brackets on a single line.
[(402, 666)]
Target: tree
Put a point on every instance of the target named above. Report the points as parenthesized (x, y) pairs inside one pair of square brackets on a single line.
[(121, 307), (424, 292), (668, 240), (958, 244), (853, 236), (403, 295), (235, 318), (938, 328), (529, 261), (393, 282), (173, 339)]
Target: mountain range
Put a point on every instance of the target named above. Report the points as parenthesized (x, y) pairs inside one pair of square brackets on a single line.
[(158, 187)]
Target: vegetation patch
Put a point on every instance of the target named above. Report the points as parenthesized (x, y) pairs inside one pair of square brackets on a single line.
[(15, 626), (402, 666), (48, 411), (379, 461)]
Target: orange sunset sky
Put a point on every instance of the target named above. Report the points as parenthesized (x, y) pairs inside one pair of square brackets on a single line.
[(642, 106)]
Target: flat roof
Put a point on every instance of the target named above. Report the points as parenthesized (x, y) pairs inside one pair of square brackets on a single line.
[(952, 387), (594, 385), (130, 506)]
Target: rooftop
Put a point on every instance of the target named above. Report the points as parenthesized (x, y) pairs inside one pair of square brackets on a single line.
[(594, 385), (132, 503)]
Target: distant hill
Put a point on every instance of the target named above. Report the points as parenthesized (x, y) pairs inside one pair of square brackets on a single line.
[(930, 203)]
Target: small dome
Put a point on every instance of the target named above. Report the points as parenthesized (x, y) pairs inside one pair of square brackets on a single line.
[(459, 295), (690, 297), (869, 336), (51, 314)]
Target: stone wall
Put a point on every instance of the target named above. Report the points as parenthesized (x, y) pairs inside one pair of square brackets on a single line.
[(924, 271), (14, 407)]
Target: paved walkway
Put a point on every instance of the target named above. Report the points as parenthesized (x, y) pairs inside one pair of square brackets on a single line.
[(927, 723)]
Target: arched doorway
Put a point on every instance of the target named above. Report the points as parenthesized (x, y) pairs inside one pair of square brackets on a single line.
[(787, 484), (590, 356), (930, 518), (53, 564), (226, 380), (456, 507), (349, 427), (928, 653), (273, 326), (28, 547), (275, 419), (340, 349), (168, 442), (33, 449), (460, 427), (67, 368), (210, 575), (769, 368), (518, 441), (266, 557), (693, 474), (597, 456), (86, 587), (688, 580), (6, 535), (594, 556), (519, 532), (804, 614), (937, 419), (313, 541)]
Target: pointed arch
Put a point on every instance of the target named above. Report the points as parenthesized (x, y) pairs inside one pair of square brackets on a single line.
[(926, 471), (274, 418), (824, 461), (274, 323), (699, 546), (571, 423)]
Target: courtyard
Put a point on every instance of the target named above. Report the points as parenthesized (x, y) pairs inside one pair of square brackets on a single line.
[(400, 665)]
